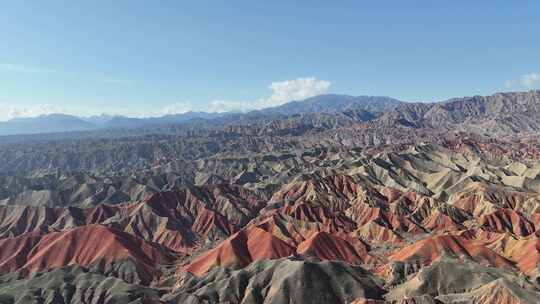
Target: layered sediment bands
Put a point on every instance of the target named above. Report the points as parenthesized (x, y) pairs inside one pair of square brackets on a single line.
[(84, 246), (375, 233), (178, 220), (333, 248), (428, 250), (241, 249), (507, 220), (526, 253), (417, 223), (398, 214)]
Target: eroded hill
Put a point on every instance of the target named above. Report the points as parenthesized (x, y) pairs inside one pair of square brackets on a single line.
[(313, 208)]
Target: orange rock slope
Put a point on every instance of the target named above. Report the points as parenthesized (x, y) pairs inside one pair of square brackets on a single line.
[(240, 250), (82, 246), (428, 250), (255, 244)]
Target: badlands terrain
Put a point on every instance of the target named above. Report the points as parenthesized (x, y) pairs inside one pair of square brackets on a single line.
[(334, 199)]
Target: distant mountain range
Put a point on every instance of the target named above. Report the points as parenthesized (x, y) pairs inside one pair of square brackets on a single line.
[(330, 103), (511, 112), (333, 103), (45, 124), (53, 123)]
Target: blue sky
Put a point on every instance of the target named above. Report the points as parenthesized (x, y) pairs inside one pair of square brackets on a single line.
[(146, 58)]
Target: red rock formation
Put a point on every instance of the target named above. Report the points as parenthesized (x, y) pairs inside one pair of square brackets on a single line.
[(399, 223), (80, 246), (507, 220), (305, 211), (242, 248), (362, 214), (375, 233), (441, 222), (526, 254), (426, 251), (487, 237), (330, 247)]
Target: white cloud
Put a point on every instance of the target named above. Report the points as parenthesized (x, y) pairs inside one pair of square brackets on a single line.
[(527, 81), (14, 111), (297, 89), (220, 106), (282, 92), (177, 108)]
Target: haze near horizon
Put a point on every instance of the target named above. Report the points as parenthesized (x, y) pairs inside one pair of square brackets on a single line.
[(141, 60)]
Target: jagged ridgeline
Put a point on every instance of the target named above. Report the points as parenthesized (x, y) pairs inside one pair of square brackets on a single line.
[(335, 199)]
